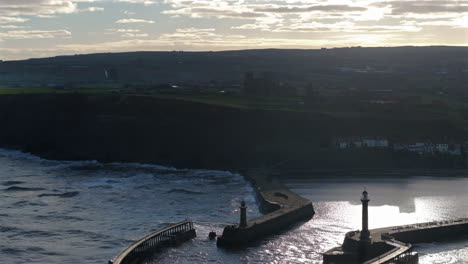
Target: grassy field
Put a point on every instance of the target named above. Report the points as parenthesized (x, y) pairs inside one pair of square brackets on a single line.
[(47, 90), (429, 108), (238, 101)]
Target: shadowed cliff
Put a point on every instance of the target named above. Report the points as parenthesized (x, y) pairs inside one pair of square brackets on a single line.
[(112, 127)]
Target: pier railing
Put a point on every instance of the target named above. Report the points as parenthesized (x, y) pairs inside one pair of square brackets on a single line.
[(401, 254), (146, 246)]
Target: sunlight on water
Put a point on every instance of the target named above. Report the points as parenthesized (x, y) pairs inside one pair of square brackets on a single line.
[(393, 202), (95, 210)]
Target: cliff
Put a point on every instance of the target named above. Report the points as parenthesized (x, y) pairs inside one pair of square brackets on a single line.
[(114, 127)]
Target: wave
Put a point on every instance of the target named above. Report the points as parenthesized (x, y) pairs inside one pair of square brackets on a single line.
[(184, 191), (9, 183), (19, 155), (22, 189), (118, 166), (61, 195), (28, 203), (59, 217), (115, 174)]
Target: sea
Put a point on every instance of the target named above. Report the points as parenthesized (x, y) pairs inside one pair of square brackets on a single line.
[(87, 211)]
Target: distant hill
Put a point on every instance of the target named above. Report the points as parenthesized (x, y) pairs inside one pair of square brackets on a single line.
[(436, 67)]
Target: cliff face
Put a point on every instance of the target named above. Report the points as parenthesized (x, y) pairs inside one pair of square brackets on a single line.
[(138, 129), (180, 133)]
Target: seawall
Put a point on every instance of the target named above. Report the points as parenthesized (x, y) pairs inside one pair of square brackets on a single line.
[(394, 243), (283, 208), (432, 231)]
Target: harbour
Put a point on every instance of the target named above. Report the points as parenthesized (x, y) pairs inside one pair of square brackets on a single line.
[(140, 199)]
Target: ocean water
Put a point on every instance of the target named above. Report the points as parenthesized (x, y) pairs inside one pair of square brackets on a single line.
[(87, 212)]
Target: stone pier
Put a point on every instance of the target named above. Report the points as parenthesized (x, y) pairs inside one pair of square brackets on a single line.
[(283, 208), (391, 244)]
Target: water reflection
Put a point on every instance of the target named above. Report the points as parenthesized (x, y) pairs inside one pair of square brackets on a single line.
[(117, 203), (393, 202), (338, 210)]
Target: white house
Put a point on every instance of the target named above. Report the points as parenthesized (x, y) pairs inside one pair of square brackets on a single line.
[(421, 147), (360, 142), (442, 147), (455, 149), (375, 142)]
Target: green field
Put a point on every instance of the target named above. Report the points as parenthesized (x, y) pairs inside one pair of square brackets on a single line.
[(47, 90), (428, 108)]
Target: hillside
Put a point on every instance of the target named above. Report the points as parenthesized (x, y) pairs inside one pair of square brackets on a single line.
[(407, 68)]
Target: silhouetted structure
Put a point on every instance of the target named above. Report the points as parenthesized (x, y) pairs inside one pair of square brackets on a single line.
[(265, 85), (365, 235), (243, 215), (391, 245), (111, 74)]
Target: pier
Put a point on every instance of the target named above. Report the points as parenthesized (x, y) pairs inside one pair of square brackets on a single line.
[(281, 206), (392, 244), (148, 245)]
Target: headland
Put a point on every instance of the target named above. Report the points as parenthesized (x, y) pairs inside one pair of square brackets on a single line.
[(119, 127)]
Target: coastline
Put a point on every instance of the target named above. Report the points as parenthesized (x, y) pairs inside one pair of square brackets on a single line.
[(183, 134), (372, 172)]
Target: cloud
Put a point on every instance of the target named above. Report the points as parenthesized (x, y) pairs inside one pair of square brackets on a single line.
[(5, 19), (191, 42), (44, 8), (349, 27), (301, 9), (132, 20), (208, 39), (202, 39), (249, 23), (36, 7), (34, 34), (431, 6), (254, 9), (123, 30), (94, 9), (145, 2), (279, 15), (457, 22), (194, 30), (128, 13), (10, 26), (134, 35), (127, 33)]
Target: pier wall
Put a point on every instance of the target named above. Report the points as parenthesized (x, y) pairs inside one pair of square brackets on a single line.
[(235, 236), (283, 208), (398, 240), (431, 233)]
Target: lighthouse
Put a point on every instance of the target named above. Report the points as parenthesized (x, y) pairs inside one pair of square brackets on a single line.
[(243, 215), (365, 235)]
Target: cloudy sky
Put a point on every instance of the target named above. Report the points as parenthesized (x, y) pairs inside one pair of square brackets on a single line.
[(38, 28)]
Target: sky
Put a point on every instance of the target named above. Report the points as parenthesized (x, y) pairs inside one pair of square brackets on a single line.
[(43, 28)]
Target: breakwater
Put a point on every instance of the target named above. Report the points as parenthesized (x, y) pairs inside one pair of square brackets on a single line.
[(148, 245), (394, 243), (283, 208)]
